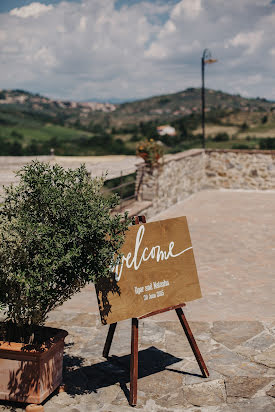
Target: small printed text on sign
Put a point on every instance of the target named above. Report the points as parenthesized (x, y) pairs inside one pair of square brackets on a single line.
[(151, 289)]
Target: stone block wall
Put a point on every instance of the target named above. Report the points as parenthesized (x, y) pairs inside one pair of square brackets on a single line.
[(177, 178), (235, 169), (185, 173)]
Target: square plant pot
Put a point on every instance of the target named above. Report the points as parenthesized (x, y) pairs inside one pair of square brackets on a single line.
[(30, 375)]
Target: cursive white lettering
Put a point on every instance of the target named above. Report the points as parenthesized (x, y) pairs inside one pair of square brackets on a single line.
[(155, 253)]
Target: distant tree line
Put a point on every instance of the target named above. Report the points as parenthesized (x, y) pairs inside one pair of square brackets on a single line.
[(267, 143), (80, 145)]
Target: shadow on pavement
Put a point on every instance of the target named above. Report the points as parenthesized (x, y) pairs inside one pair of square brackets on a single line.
[(84, 379)]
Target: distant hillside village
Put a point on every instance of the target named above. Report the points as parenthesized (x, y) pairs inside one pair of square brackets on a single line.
[(222, 101), (37, 102), (31, 124)]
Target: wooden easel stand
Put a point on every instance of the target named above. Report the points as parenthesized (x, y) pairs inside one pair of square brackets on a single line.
[(134, 340)]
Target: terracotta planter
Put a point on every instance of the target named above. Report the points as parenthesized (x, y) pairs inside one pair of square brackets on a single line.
[(30, 375), (144, 155)]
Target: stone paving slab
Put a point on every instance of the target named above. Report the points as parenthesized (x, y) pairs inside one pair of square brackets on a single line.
[(233, 236), (169, 377)]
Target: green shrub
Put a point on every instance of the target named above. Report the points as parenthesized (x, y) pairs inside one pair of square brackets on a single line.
[(17, 135), (57, 234), (244, 127), (135, 138), (221, 137), (240, 146), (164, 100), (264, 119), (267, 143)]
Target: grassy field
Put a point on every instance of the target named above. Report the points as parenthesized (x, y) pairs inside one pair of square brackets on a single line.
[(212, 130), (261, 130), (242, 126), (233, 144), (39, 125), (42, 132)]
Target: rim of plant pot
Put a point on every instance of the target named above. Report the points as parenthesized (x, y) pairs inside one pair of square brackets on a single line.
[(57, 335)]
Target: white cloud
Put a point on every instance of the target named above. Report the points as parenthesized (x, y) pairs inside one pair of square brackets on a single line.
[(3, 35), (256, 78), (80, 50), (251, 40), (170, 27), (32, 10), (82, 23), (45, 57), (189, 8), (156, 51)]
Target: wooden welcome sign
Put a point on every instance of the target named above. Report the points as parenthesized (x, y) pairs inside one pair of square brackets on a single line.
[(157, 270)]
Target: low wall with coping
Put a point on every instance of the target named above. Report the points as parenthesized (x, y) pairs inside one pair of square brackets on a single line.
[(175, 179), (185, 173), (179, 176), (116, 166)]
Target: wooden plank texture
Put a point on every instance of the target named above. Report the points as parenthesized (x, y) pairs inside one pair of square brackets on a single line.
[(158, 272)]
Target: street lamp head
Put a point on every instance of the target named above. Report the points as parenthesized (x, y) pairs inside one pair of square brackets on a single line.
[(207, 57), (210, 61)]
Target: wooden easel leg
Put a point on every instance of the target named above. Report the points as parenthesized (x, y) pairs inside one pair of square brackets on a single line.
[(109, 339), (192, 342), (134, 362)]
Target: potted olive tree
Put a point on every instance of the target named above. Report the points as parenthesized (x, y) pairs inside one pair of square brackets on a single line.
[(57, 233)]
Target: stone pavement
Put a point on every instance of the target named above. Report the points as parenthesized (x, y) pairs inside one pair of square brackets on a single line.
[(234, 324), (240, 357), (233, 236)]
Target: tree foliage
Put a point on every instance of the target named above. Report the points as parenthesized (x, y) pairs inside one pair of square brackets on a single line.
[(267, 144), (221, 137), (57, 233)]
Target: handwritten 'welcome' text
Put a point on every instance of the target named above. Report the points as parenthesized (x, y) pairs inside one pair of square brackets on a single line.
[(155, 253)]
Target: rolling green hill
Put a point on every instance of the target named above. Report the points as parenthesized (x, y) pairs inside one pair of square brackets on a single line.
[(33, 124), (171, 106)]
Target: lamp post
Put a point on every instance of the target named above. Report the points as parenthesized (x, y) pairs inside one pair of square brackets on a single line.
[(206, 59)]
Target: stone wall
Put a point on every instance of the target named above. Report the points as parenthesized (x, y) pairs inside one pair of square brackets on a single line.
[(177, 178), (235, 169), (185, 173)]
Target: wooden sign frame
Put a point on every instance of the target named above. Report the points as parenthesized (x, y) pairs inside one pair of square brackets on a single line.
[(157, 270), (134, 340)]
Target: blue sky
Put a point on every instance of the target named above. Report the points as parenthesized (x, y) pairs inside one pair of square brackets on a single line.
[(7, 5), (84, 49)]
